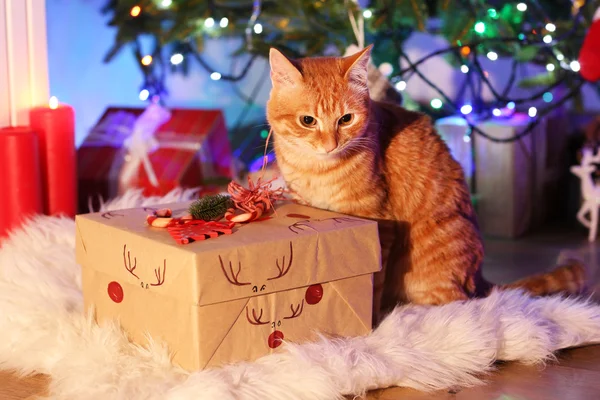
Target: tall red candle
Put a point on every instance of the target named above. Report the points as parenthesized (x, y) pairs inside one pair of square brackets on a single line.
[(20, 182), (55, 126)]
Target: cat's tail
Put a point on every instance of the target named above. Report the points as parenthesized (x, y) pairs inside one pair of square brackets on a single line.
[(568, 277)]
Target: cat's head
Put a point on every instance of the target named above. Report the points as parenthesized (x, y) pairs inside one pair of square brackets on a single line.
[(319, 106)]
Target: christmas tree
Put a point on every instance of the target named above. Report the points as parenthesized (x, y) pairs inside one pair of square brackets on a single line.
[(546, 33)]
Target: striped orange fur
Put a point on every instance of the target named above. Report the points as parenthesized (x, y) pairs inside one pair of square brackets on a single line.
[(376, 160)]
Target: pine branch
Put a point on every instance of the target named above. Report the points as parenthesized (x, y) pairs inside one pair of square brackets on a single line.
[(211, 208)]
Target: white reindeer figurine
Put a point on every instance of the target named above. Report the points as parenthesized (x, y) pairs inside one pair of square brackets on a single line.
[(589, 192)]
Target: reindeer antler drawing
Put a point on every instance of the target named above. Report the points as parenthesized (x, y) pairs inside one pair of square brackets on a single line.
[(283, 268), (127, 262), (234, 276), (160, 279), (341, 219), (255, 320), (296, 311), (111, 214), (301, 225)]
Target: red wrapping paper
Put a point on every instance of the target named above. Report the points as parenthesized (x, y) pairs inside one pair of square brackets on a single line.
[(100, 161), (56, 131), (20, 182)]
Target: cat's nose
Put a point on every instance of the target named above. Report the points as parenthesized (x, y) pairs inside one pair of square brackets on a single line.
[(330, 145)]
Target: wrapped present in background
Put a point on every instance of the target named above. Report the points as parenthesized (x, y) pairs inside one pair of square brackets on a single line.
[(516, 181), (299, 273), (517, 184), (154, 149)]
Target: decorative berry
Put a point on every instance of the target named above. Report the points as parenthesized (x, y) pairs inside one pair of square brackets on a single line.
[(314, 294), (115, 292), (275, 339)]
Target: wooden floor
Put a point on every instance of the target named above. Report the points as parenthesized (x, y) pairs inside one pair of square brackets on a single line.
[(576, 375)]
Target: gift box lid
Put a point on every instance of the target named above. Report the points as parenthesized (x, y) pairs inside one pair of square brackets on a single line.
[(297, 246)]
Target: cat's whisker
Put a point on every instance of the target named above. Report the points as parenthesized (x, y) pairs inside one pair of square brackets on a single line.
[(362, 143)]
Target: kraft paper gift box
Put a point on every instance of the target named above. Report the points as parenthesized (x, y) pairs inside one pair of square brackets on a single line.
[(190, 149), (234, 297)]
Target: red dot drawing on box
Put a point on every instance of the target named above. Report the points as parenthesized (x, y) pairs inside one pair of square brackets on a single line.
[(115, 292), (275, 339), (314, 294)]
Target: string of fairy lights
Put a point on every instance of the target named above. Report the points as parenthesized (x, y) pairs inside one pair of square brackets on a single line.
[(154, 88), (501, 105), (541, 36)]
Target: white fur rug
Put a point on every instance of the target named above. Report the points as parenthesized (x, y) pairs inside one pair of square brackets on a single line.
[(42, 329)]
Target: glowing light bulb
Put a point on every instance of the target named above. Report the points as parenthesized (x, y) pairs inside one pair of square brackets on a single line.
[(144, 94), (492, 12), (550, 27), (511, 105), (550, 67), (521, 36), (436, 103), (480, 27), (258, 28), (367, 14), (532, 112), (166, 3), (547, 39), (464, 69), (466, 109), (548, 97), (496, 112), (560, 57), (466, 138), (176, 59), (209, 22), (146, 60), (224, 22), (492, 55), (53, 103), (386, 68), (215, 76), (575, 66), (522, 7), (135, 11), (401, 85)]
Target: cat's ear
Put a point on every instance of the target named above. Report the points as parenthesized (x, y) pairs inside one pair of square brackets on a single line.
[(355, 67), (283, 71)]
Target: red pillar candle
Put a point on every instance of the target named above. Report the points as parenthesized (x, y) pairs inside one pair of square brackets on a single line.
[(20, 181), (55, 126)]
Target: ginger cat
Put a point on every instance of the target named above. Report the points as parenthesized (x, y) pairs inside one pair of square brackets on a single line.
[(339, 150)]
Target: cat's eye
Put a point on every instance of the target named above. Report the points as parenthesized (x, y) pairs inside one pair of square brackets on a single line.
[(345, 120), (308, 121)]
